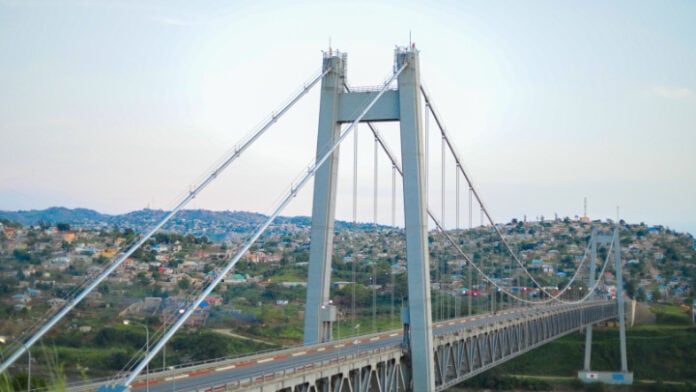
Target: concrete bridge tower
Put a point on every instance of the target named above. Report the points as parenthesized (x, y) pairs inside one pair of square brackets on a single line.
[(339, 106)]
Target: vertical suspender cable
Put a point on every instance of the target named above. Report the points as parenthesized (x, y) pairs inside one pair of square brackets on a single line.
[(355, 174), (456, 198), (393, 223), (393, 206), (457, 297), (354, 261), (443, 261), (375, 184), (190, 196), (374, 217), (469, 267), (426, 150)]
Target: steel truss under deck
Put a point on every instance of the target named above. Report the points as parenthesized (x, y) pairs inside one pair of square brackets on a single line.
[(464, 354), (463, 349)]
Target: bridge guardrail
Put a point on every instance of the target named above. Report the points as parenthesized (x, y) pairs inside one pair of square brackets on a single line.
[(262, 377)]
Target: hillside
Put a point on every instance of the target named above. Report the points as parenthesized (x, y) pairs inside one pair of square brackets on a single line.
[(216, 225), (41, 264)]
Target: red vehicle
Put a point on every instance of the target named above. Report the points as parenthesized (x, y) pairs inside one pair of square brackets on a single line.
[(466, 292)]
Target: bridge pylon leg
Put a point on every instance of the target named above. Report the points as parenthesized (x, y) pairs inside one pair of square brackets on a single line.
[(415, 220), (623, 376), (590, 284), (320, 313)]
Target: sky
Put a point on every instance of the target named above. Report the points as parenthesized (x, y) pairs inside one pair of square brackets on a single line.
[(123, 105)]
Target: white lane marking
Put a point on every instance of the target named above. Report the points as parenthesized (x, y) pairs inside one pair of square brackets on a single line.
[(264, 360), (176, 377), (298, 354), (340, 345), (375, 338), (222, 369), (321, 349), (394, 334)]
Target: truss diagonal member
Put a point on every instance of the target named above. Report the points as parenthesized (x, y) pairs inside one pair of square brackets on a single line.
[(190, 196)]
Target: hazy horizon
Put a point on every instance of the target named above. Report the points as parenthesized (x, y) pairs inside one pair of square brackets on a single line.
[(520, 219)]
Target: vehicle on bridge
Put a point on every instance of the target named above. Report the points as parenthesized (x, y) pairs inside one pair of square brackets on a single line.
[(473, 292)]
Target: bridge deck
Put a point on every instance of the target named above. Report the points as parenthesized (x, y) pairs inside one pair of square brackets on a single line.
[(463, 348)]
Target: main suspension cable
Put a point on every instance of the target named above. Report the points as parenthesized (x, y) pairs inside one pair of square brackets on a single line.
[(484, 210), (453, 243), (190, 196)]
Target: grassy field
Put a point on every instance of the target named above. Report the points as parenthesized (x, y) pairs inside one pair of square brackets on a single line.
[(654, 352)]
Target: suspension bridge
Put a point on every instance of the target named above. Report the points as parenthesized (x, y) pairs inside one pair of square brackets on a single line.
[(424, 355)]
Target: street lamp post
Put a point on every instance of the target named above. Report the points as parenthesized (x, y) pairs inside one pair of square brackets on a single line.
[(357, 336), (392, 298), (3, 340), (28, 367), (147, 351), (373, 283)]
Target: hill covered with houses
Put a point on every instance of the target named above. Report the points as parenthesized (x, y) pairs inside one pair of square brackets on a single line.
[(43, 262)]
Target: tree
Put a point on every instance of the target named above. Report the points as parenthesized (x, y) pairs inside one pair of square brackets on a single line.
[(363, 296), (143, 279), (63, 226), (104, 289), (203, 345), (101, 259), (630, 287), (657, 295), (43, 224), (21, 255), (184, 284), (65, 245), (640, 296)]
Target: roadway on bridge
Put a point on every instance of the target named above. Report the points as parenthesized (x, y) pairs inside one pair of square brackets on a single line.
[(302, 358)]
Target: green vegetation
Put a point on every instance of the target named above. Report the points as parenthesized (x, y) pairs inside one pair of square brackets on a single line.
[(495, 379), (655, 353), (663, 353), (667, 314), (98, 354)]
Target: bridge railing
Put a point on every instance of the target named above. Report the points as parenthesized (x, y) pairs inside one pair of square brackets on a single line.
[(180, 369), (262, 377)]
